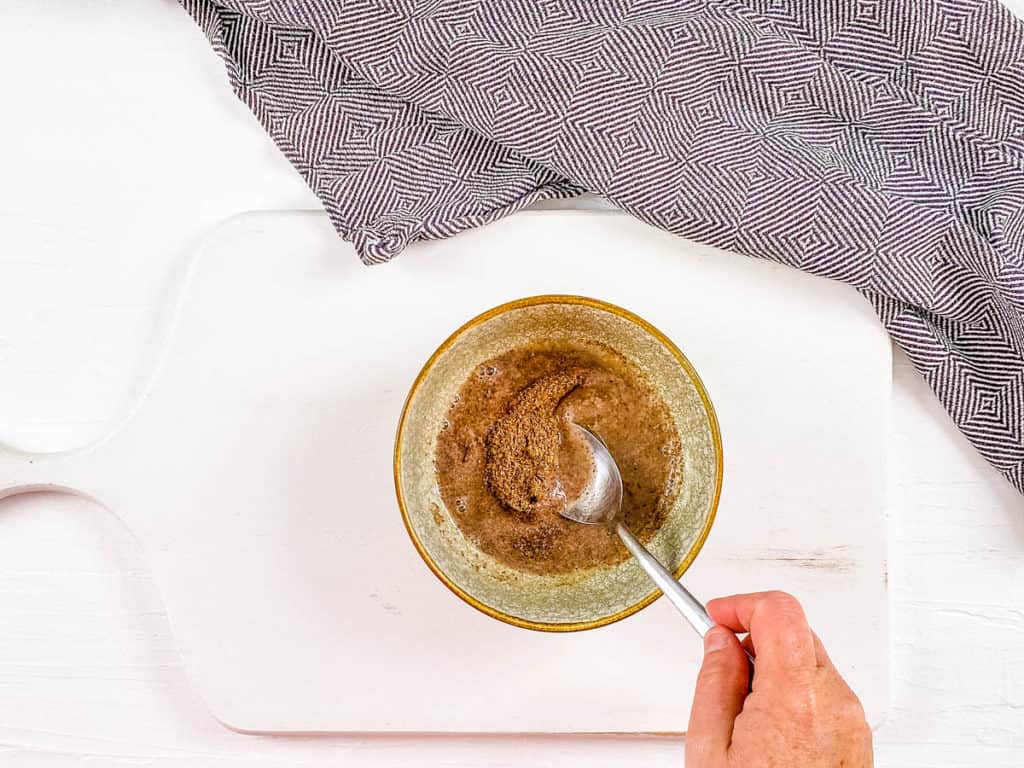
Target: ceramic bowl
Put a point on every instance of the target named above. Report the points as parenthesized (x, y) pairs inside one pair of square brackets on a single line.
[(583, 599)]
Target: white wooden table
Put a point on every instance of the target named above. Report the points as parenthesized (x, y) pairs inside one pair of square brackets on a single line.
[(122, 144)]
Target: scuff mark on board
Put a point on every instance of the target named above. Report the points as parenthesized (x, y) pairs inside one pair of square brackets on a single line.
[(833, 559)]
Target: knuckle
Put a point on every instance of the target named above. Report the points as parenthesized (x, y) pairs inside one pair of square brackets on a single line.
[(803, 706), (783, 607), (783, 601), (853, 711)]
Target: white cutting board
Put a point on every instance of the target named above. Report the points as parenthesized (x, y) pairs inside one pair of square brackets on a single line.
[(256, 474)]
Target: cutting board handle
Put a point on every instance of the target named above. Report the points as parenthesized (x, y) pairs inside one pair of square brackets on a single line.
[(62, 472)]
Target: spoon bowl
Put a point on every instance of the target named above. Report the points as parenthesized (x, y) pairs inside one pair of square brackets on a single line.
[(600, 503), (601, 499)]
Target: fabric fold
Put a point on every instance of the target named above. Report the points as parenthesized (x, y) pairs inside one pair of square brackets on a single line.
[(880, 144)]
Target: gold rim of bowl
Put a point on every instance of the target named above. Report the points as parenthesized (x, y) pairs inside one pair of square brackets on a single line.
[(684, 364)]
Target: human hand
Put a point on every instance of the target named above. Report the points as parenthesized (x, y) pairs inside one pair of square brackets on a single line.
[(800, 712)]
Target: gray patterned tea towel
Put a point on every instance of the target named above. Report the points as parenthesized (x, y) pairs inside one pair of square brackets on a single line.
[(877, 142)]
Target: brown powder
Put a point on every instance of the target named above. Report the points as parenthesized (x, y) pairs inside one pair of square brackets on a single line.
[(507, 459), (523, 446)]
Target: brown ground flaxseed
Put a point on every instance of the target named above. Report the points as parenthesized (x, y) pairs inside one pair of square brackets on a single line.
[(507, 440), (523, 445)]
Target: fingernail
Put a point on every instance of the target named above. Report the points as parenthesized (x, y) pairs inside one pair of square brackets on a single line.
[(715, 640)]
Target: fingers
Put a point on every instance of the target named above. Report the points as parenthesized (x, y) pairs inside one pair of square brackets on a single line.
[(748, 644), (721, 689), (778, 629)]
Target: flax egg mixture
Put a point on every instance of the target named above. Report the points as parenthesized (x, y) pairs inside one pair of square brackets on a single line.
[(508, 460)]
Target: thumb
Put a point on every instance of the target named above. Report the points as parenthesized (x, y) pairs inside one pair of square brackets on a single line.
[(721, 690)]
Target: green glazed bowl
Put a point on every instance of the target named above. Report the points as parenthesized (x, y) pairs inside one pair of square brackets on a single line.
[(583, 599)]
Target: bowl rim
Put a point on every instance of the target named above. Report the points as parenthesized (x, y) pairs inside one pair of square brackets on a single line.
[(665, 341)]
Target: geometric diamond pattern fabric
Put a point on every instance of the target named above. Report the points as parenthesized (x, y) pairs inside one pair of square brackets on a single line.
[(876, 142)]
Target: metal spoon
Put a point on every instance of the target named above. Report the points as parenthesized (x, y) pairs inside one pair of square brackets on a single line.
[(600, 503)]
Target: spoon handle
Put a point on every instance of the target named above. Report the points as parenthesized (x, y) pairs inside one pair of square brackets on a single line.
[(688, 605)]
